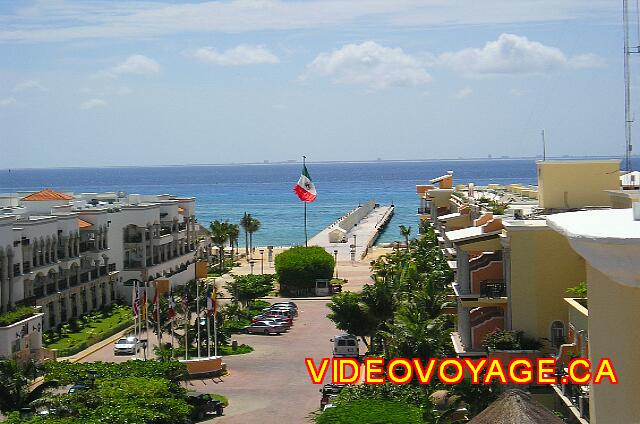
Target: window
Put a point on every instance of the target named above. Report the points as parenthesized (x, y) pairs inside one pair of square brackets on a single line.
[(342, 342), (557, 333), (351, 342)]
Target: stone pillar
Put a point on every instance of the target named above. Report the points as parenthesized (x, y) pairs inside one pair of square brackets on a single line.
[(462, 272), (107, 294), (77, 246), (58, 311), (68, 307), (98, 304), (79, 303), (464, 325), (89, 299)]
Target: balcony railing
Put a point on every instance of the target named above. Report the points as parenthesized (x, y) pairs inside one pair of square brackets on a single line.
[(493, 289)]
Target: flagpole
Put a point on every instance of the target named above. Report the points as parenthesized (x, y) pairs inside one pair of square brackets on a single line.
[(186, 322), (157, 309), (215, 326), (172, 302), (208, 330), (198, 314), (305, 208), (135, 315)]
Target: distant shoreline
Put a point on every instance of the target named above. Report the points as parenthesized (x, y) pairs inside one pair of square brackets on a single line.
[(324, 162)]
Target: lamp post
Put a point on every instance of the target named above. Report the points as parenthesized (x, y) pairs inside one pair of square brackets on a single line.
[(335, 259), (251, 262), (144, 344), (261, 261)]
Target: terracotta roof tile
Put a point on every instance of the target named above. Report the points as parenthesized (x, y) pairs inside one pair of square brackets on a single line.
[(84, 224), (47, 195)]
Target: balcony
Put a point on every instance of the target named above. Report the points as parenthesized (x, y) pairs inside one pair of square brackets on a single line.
[(133, 265), (133, 238), (493, 289), (423, 211)]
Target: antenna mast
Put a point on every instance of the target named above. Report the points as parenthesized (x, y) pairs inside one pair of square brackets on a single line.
[(627, 85), (544, 146)]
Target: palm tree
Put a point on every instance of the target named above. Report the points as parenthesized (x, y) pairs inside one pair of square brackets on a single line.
[(233, 232), (219, 236), (254, 225), (405, 232), (245, 222)]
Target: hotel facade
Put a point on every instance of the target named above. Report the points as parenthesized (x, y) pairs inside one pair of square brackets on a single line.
[(70, 254), (515, 251)]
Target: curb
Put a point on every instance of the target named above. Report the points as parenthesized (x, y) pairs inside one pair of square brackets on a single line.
[(95, 347)]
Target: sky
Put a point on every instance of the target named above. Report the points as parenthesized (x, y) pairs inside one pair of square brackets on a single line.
[(108, 83)]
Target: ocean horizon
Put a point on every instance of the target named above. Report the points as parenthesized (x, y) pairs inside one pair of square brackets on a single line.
[(225, 192)]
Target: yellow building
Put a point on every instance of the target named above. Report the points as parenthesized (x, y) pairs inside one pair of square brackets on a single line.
[(609, 241)]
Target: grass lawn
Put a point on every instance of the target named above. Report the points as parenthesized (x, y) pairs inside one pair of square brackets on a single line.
[(92, 329), (223, 399)]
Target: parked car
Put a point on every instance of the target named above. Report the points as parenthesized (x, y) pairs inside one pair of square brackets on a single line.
[(329, 393), (127, 345), (273, 321), (264, 327), (203, 404), (284, 307), (280, 312), (78, 387), (346, 346), (281, 320)]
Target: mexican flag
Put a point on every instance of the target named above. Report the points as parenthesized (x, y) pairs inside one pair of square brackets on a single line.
[(305, 189)]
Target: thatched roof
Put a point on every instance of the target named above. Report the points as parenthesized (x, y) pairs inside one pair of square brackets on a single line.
[(516, 407)]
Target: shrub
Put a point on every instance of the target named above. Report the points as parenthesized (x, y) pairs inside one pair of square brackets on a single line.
[(510, 340), (579, 290), (246, 288), (299, 268), (370, 411), (18, 314)]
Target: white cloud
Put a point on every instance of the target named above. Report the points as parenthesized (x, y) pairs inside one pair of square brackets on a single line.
[(136, 64), (93, 104), (60, 20), (370, 64), (511, 55), (243, 54), (465, 92), (29, 85), (6, 102)]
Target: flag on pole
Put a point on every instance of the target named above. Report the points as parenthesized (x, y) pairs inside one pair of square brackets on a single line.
[(185, 300), (135, 302), (156, 305), (305, 189), (210, 302), (171, 311), (144, 305)]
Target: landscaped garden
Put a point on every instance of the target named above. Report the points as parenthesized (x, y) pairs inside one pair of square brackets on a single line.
[(16, 315), (91, 328)]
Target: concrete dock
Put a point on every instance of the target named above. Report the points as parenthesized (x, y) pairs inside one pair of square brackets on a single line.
[(365, 230)]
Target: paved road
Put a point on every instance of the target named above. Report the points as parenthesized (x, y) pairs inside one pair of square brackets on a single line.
[(271, 385)]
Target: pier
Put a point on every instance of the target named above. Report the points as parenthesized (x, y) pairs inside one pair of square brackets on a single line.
[(355, 232)]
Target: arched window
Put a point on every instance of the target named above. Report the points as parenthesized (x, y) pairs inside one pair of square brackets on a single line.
[(557, 333)]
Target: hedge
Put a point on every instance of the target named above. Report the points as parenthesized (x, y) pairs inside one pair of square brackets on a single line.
[(298, 268), (17, 315), (371, 411)]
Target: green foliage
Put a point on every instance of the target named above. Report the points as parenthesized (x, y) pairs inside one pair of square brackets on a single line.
[(67, 373), (245, 288), (579, 290), (510, 340), (88, 330), (16, 315), (368, 411), (351, 315), (412, 395), (299, 267), (14, 386)]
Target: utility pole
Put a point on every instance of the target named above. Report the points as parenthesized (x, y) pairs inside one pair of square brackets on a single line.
[(628, 119), (544, 147)]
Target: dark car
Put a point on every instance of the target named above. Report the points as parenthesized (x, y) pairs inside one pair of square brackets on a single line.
[(78, 388), (329, 392), (204, 404)]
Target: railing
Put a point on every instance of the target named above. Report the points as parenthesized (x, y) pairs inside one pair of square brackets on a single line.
[(577, 395), (493, 289), (133, 265)]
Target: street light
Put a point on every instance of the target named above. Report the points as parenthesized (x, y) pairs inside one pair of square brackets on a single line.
[(335, 258), (251, 262), (261, 261)]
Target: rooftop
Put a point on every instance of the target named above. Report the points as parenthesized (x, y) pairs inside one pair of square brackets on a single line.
[(47, 195)]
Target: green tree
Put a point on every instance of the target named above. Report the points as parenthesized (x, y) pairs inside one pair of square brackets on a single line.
[(245, 223), (219, 236), (351, 315), (14, 386), (254, 225), (298, 268), (246, 288), (233, 231), (405, 232)]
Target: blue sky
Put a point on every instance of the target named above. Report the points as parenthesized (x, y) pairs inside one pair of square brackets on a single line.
[(86, 83)]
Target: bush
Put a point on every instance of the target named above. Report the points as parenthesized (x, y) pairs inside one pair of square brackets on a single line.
[(510, 340), (18, 314), (246, 288), (299, 268), (371, 411)]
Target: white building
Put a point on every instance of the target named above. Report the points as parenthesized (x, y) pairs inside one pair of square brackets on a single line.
[(74, 253)]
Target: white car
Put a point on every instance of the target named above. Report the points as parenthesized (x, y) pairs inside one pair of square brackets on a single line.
[(126, 345), (264, 327)]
